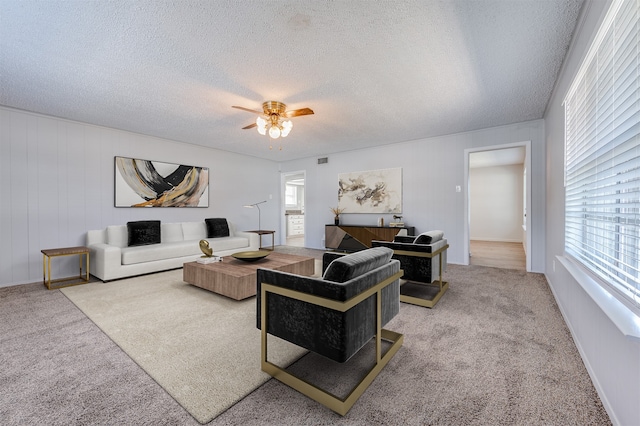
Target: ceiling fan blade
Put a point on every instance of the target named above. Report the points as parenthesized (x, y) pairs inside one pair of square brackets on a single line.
[(248, 110), (250, 126), (298, 112)]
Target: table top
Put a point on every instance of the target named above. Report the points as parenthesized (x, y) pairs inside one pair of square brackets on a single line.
[(262, 231), (235, 267), (65, 250)]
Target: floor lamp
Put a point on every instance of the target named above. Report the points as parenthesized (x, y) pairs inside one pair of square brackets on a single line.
[(250, 206)]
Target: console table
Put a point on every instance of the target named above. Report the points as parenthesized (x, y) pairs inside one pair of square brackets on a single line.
[(359, 237)]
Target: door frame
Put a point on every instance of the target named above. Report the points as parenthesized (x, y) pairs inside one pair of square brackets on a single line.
[(283, 205), (529, 212)]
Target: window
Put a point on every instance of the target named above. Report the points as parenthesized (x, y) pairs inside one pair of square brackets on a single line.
[(602, 155), (291, 195)]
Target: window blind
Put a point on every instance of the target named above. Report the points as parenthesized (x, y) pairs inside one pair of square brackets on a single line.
[(602, 154)]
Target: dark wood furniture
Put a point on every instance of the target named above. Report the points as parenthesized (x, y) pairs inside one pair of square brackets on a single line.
[(262, 232), (236, 279), (359, 237)]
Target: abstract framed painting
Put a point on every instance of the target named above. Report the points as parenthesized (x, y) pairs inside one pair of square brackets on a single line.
[(147, 183), (373, 191)]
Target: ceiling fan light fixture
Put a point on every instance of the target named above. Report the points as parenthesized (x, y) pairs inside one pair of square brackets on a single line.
[(275, 119), (274, 132), (286, 128)]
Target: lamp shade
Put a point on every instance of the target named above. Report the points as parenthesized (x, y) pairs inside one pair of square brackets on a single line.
[(274, 132)]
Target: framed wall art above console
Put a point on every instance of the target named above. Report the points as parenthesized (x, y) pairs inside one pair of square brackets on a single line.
[(372, 191)]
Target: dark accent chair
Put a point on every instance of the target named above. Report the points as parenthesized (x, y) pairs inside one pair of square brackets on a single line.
[(334, 316), (423, 258)]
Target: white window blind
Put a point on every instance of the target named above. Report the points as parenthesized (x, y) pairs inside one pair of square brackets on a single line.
[(602, 154)]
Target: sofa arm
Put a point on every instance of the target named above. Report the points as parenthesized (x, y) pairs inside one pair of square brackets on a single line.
[(104, 257), (254, 239), (431, 250), (404, 239), (329, 257)]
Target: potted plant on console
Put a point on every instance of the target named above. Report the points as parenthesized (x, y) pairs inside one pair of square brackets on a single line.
[(336, 211)]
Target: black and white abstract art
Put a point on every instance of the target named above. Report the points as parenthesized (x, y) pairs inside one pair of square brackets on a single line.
[(374, 191), (146, 183)]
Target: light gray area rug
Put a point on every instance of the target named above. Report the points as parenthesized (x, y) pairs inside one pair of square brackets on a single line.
[(202, 348)]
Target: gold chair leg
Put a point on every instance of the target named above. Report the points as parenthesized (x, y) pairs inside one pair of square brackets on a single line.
[(326, 398), (444, 286)]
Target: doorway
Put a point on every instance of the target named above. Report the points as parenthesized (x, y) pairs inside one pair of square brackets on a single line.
[(293, 208), (498, 194)]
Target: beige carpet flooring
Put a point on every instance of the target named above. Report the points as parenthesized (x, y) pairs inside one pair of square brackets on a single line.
[(202, 348), (494, 351)]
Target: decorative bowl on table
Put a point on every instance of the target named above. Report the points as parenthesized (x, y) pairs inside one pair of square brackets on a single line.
[(251, 256)]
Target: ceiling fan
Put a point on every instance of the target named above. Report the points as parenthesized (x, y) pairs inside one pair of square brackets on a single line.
[(274, 118)]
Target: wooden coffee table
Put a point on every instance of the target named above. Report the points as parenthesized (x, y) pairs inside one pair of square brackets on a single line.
[(237, 279)]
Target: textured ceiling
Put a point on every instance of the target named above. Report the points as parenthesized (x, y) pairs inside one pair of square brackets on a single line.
[(375, 73)]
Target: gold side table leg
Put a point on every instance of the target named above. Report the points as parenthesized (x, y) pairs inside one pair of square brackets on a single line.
[(49, 272), (44, 269), (87, 267)]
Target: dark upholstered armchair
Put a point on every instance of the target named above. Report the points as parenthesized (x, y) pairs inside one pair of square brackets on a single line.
[(334, 316), (423, 258)]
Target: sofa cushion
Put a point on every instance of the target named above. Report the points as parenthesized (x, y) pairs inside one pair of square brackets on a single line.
[(227, 243), (143, 232), (217, 227), (150, 253), (353, 265), (194, 230), (117, 235), (429, 237), (173, 250), (171, 232)]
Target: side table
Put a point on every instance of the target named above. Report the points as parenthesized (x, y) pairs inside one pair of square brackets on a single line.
[(262, 232), (48, 254)]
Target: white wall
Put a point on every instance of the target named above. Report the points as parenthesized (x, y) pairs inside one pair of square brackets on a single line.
[(612, 360), (431, 170), (58, 180), (495, 203)]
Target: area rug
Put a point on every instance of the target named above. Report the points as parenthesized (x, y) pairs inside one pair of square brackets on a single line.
[(202, 348)]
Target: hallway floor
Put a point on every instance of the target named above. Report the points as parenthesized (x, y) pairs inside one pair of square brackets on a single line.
[(296, 241), (498, 254)]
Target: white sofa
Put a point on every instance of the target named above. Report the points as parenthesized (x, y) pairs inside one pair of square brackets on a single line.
[(111, 258)]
